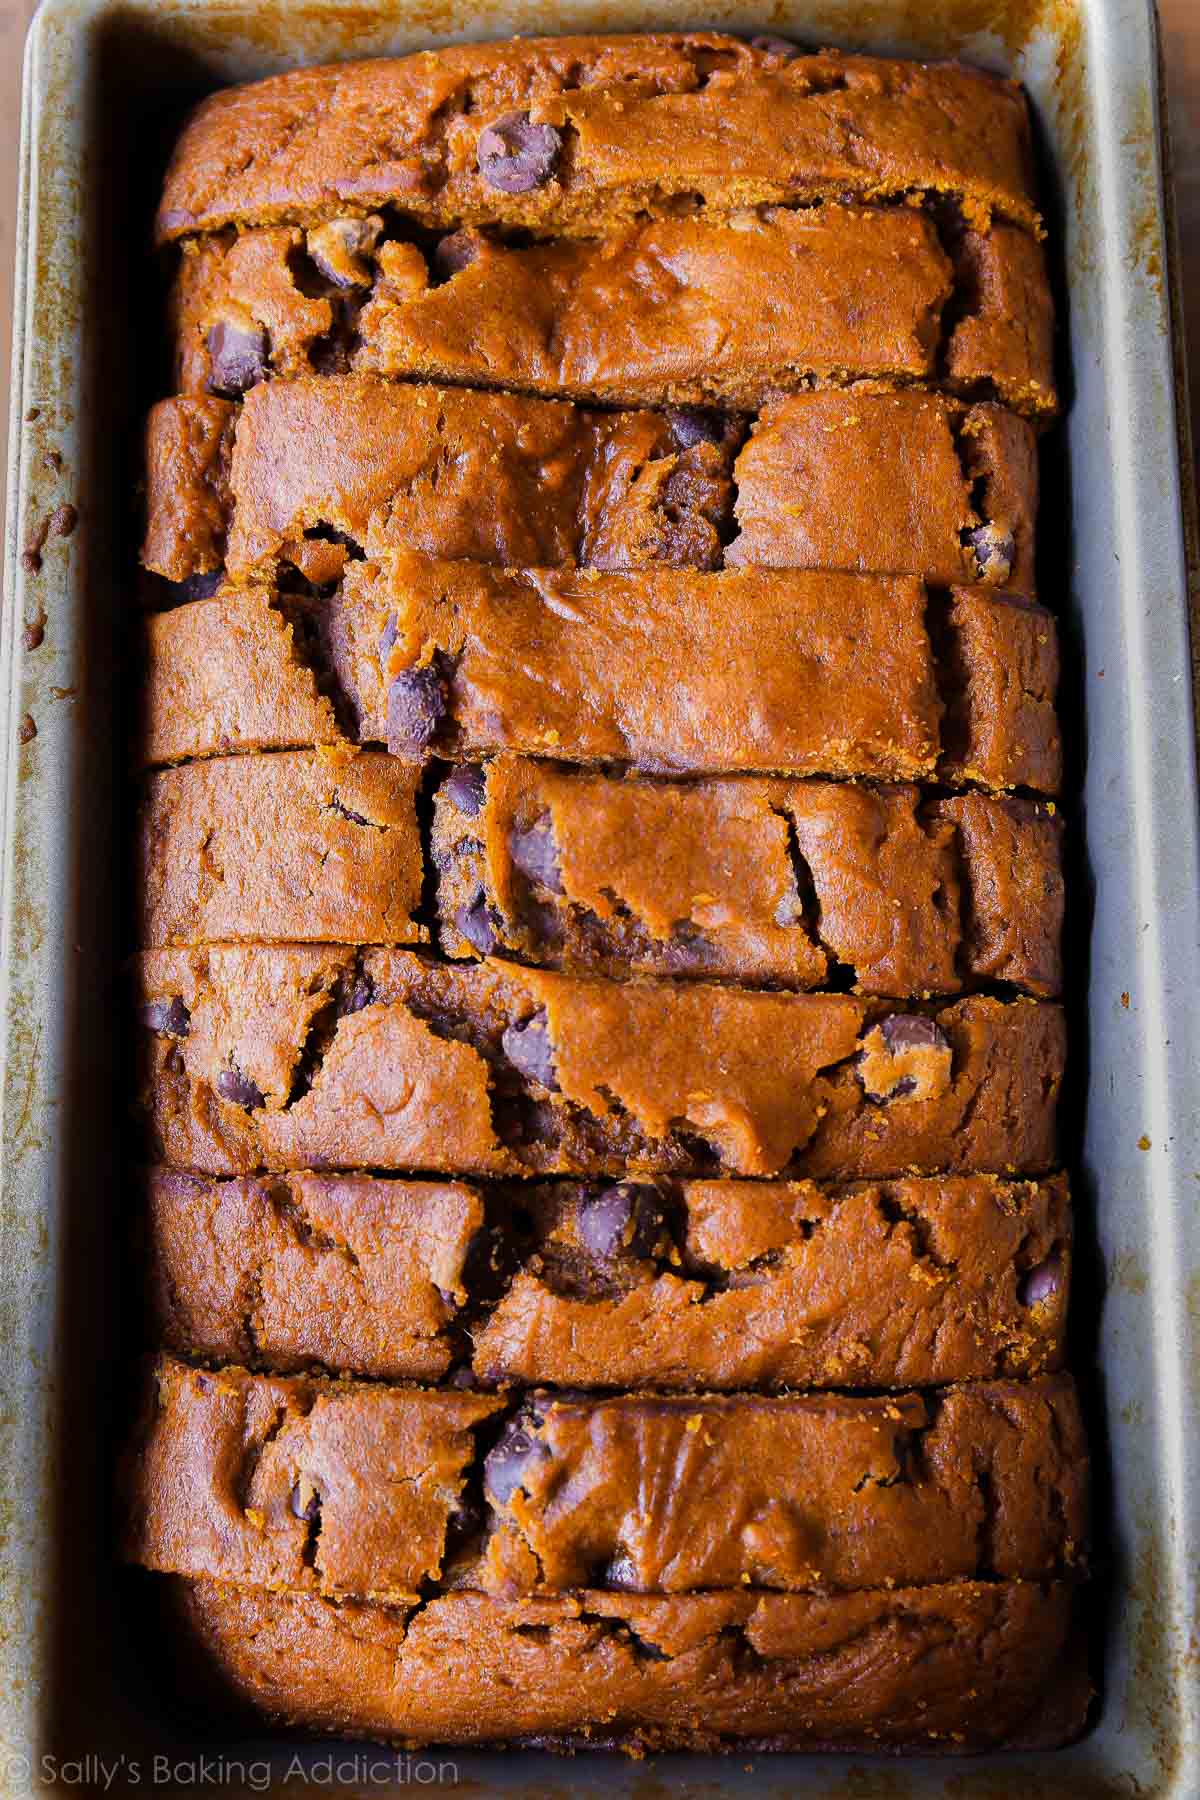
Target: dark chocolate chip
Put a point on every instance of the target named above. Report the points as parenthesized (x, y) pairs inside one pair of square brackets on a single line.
[(338, 249), (625, 1218), (455, 253), (238, 357), (310, 1510), (533, 852), (912, 1031), (993, 551), (1041, 1283), (416, 707), (170, 1017), (200, 587), (361, 994), (506, 1464), (233, 1085), (466, 789), (695, 425), (515, 155), (621, 1572), (527, 1047), (387, 638), (771, 45), (475, 922)]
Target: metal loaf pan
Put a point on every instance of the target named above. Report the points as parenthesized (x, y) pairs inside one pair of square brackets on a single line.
[(105, 84)]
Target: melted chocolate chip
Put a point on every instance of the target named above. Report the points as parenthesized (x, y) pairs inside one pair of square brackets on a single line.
[(993, 551), (534, 853), (899, 1035), (912, 1031), (1041, 1283), (624, 1219), (233, 1085), (306, 1510), (695, 425), (170, 1017), (200, 587), (361, 994), (506, 1464), (416, 707), (387, 638), (338, 249), (516, 156), (466, 789), (771, 45), (455, 253), (475, 922), (238, 357), (527, 1047)]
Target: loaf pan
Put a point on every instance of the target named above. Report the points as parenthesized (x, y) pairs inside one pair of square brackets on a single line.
[(81, 1703)]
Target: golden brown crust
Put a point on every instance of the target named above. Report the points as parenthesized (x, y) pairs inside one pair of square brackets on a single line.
[(968, 1666), (355, 1274), (314, 846), (297, 1057), (307, 1485), (745, 127), (685, 310), (289, 1483), (710, 1284), (889, 483), (755, 881)]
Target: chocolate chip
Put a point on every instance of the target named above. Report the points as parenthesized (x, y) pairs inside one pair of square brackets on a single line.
[(515, 155), (527, 1047), (309, 1509), (621, 1573), (507, 1463), (534, 853), (1041, 1283), (361, 994), (170, 1017), (238, 357), (387, 638), (416, 707), (339, 246), (912, 1031), (466, 789), (197, 587), (904, 1056), (770, 45), (475, 922), (233, 1085), (993, 550), (625, 1219), (455, 253), (695, 425)]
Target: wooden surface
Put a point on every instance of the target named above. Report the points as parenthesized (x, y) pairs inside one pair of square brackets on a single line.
[(1181, 46)]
